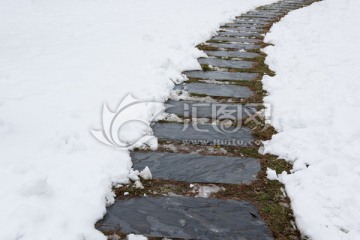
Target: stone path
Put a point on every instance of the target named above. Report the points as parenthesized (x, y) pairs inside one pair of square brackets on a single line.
[(212, 147)]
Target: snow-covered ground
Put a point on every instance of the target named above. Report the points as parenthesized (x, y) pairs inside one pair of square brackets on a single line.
[(315, 97), (59, 62)]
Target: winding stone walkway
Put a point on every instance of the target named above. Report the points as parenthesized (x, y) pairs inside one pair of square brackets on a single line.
[(198, 149)]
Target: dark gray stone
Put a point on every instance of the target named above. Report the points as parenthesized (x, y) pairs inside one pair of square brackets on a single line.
[(264, 14), (226, 63), (236, 27), (216, 75), (253, 20), (216, 90), (206, 110), (203, 134), (239, 34), (186, 218), (233, 54), (252, 23), (244, 40), (246, 25), (197, 168), (239, 46), (259, 16), (242, 29), (241, 40)]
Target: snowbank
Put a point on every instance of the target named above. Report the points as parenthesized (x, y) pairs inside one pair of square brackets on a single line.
[(59, 62), (316, 109)]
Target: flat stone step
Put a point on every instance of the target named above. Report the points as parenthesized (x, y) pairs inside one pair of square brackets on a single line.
[(195, 168), (239, 34), (242, 29), (239, 46), (193, 109), (216, 90), (216, 75), (252, 21), (236, 27), (215, 62), (186, 218), (244, 40), (233, 54), (264, 15), (246, 25), (203, 134)]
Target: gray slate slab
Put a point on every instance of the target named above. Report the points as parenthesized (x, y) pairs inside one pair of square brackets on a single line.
[(226, 63), (251, 20), (246, 25), (239, 46), (239, 34), (186, 218), (216, 90), (242, 29), (203, 134), (234, 54), (208, 110), (217, 75), (235, 27), (259, 16), (197, 168), (244, 40)]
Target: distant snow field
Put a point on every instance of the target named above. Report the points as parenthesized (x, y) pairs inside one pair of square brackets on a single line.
[(315, 97), (59, 62)]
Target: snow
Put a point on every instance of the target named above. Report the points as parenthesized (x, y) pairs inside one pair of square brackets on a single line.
[(316, 106), (135, 237), (60, 62), (271, 174), (146, 173)]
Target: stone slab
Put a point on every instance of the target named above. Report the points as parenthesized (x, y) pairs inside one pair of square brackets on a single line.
[(239, 46), (203, 134), (195, 168), (246, 25), (217, 75), (239, 34), (186, 218), (216, 90), (226, 63), (250, 20), (233, 54), (192, 109), (242, 29), (242, 40)]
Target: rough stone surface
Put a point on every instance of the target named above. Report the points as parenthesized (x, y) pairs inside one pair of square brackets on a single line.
[(243, 29), (203, 134), (216, 75), (241, 26), (236, 39), (254, 21), (233, 54), (186, 218), (215, 62), (239, 46), (260, 16), (217, 90), (247, 24), (239, 34), (205, 110), (197, 168)]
